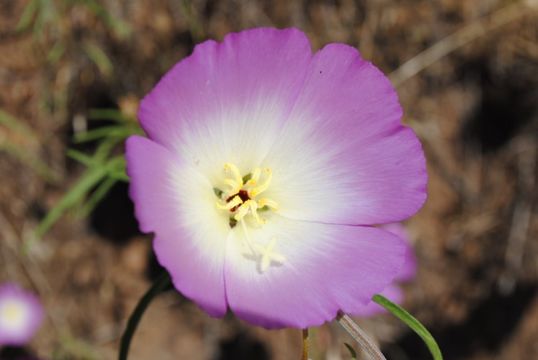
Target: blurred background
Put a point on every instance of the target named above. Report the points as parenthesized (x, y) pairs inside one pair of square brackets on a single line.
[(71, 76)]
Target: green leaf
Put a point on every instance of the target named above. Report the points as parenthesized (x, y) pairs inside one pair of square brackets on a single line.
[(351, 351), (120, 28), (108, 114), (80, 157), (120, 131), (161, 284), (104, 149), (98, 195), (412, 322), (99, 58), (56, 52), (117, 168), (18, 151), (15, 124), (89, 179), (27, 15)]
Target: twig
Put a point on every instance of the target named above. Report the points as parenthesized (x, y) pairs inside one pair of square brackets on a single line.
[(461, 37), (359, 336), (305, 344), (521, 220)]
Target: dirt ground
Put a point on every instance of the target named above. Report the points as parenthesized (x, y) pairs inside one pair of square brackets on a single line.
[(467, 76)]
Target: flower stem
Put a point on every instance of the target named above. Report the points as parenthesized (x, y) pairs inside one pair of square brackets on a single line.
[(359, 336), (305, 345), (161, 284)]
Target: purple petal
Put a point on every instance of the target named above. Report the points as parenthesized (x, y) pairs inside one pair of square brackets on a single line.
[(344, 156), (391, 292), (409, 267), (177, 204), (228, 99), (21, 315), (327, 268)]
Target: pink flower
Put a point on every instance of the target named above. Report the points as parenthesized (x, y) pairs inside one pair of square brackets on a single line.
[(406, 273), (265, 168), (21, 315)]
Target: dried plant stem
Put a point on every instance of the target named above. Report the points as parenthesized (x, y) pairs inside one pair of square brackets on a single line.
[(305, 345), (460, 38), (359, 336)]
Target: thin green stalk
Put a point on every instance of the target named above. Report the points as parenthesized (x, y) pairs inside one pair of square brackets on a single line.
[(162, 283), (412, 322)]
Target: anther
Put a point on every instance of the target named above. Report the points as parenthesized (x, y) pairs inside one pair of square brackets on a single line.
[(242, 211)]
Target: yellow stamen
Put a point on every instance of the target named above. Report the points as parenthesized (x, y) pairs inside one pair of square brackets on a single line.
[(267, 202), (242, 211), (229, 167), (231, 204), (234, 186), (255, 177), (241, 202), (264, 186)]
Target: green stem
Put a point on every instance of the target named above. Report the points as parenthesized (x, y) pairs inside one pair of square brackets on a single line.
[(412, 322), (162, 283)]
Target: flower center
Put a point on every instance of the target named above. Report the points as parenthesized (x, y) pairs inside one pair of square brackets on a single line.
[(12, 313), (242, 196), (243, 201)]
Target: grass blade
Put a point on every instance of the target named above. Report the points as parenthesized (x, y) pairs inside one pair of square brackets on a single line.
[(99, 58), (15, 124), (81, 157), (27, 15), (91, 178), (412, 322), (98, 195), (108, 114), (119, 131)]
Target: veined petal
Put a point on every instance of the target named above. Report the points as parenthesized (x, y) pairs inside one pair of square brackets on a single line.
[(227, 101), (326, 268), (343, 155), (391, 292), (173, 201), (409, 269), (406, 272)]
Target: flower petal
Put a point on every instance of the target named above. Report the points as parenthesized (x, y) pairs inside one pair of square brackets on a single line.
[(26, 319), (227, 101), (326, 268), (343, 155), (409, 268), (391, 292), (177, 204)]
